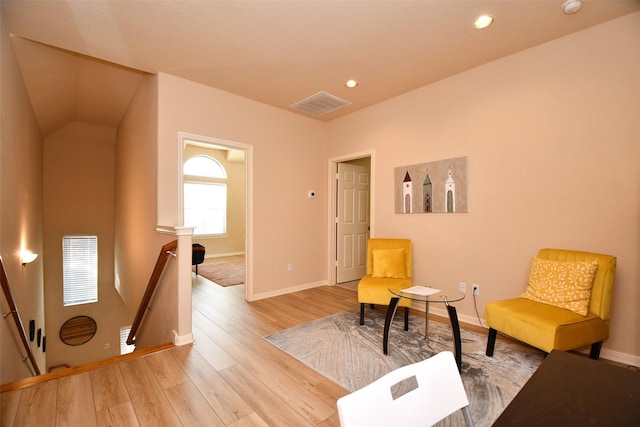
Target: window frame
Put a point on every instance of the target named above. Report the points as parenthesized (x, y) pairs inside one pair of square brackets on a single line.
[(79, 264)]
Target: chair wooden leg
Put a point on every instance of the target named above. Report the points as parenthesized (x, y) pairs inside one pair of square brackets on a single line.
[(491, 341), (362, 313), (595, 350)]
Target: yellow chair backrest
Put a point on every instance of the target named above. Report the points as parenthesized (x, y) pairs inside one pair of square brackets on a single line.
[(381, 243), (602, 289)]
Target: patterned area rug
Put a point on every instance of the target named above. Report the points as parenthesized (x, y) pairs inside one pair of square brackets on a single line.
[(351, 355), (226, 273)]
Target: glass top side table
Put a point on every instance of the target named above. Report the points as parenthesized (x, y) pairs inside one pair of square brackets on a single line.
[(427, 295)]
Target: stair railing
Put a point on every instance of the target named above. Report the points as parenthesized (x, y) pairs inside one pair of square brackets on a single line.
[(13, 310), (166, 251)]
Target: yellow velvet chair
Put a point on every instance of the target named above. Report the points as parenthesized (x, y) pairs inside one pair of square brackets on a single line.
[(550, 327), (389, 264)]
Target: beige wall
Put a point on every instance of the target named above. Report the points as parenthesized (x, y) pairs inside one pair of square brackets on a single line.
[(137, 243), (233, 243), (20, 213), (289, 158), (552, 139), (78, 200)]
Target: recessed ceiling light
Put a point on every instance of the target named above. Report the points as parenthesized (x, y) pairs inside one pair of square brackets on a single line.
[(351, 83), (571, 6), (483, 21)]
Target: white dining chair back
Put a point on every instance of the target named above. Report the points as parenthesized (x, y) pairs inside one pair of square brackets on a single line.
[(420, 394)]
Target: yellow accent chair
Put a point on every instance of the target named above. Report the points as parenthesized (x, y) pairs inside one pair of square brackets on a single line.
[(389, 264), (566, 304)]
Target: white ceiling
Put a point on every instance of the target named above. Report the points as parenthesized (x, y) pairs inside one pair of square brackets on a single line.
[(90, 55)]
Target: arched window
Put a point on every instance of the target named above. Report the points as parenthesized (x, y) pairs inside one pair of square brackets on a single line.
[(204, 166), (205, 196)]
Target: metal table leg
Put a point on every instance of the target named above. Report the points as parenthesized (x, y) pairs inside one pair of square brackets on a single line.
[(455, 326), (453, 318), (426, 320), (391, 311)]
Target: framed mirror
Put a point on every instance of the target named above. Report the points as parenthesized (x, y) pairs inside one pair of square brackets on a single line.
[(78, 330)]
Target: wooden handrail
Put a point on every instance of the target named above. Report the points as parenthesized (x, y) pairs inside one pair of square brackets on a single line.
[(31, 381), (166, 251), (16, 317)]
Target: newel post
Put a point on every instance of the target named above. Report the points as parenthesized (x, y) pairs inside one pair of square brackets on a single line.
[(183, 335)]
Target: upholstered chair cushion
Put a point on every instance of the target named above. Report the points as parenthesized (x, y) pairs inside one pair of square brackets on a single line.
[(564, 284), (545, 326), (389, 263), (375, 290)]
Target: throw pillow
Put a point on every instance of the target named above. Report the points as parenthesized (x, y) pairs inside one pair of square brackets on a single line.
[(389, 263), (564, 284)]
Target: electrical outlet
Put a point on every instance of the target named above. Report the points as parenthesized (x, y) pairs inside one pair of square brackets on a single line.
[(463, 287), (290, 268), (476, 289)]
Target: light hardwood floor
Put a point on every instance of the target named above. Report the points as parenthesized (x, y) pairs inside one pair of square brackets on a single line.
[(230, 376)]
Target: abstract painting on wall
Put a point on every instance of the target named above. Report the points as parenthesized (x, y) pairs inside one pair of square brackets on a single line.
[(439, 186)]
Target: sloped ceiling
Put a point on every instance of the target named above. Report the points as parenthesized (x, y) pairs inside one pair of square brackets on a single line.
[(65, 87), (83, 59)]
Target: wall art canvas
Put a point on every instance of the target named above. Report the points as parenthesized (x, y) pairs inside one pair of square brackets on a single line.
[(439, 186)]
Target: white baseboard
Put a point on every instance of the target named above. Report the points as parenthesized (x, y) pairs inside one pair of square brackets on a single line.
[(284, 291), (223, 255), (617, 356), (442, 312), (182, 339)]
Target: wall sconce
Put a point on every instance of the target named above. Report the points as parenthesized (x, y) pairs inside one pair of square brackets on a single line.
[(27, 257)]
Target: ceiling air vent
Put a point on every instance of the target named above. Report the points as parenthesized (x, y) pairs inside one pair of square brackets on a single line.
[(320, 104)]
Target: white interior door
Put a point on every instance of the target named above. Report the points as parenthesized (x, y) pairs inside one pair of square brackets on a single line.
[(352, 221)]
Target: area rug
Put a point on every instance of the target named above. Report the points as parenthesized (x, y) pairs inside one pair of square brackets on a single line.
[(351, 355), (226, 273)]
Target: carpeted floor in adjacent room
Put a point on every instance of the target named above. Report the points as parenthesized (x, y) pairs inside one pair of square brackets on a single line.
[(225, 271)]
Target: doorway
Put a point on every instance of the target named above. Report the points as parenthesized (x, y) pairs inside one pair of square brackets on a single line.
[(236, 238), (352, 183)]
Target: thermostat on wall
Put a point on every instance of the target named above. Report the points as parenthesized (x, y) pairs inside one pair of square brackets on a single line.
[(311, 194)]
